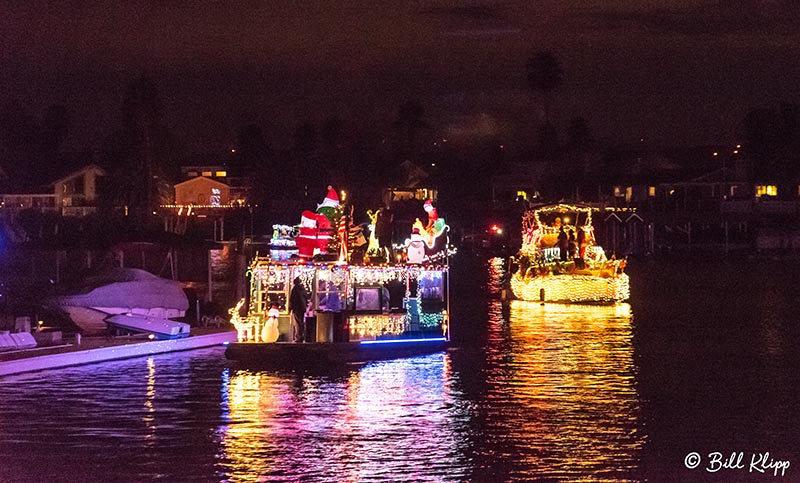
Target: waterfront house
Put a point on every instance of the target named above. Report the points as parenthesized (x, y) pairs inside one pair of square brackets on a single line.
[(73, 194), (205, 199), (202, 191)]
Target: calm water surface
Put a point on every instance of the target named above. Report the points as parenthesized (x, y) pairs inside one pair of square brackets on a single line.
[(704, 358)]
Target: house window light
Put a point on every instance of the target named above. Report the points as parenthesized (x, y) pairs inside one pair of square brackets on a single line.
[(651, 191), (766, 190), (208, 173), (222, 174)]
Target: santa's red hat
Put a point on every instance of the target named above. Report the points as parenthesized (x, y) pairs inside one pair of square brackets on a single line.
[(331, 199)]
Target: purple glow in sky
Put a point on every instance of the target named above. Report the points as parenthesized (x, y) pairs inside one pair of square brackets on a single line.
[(675, 71)]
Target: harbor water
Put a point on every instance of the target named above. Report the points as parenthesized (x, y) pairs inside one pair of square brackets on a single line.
[(703, 359)]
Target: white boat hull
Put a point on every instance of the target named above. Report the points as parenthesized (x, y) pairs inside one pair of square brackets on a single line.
[(160, 328)]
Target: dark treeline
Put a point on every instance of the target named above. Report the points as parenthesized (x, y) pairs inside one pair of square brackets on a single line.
[(143, 157)]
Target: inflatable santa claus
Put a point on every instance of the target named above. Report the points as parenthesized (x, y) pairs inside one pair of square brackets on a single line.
[(314, 234), (307, 238)]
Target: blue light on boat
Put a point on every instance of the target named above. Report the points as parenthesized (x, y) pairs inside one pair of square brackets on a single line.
[(400, 341), (226, 342)]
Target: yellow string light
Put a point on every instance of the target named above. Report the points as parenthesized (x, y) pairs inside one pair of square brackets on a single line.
[(572, 288)]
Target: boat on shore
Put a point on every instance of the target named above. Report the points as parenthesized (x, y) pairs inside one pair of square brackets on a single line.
[(149, 301), (560, 261)]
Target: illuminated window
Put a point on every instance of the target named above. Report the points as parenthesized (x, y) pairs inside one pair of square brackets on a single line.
[(766, 190), (192, 174), (651, 191), (617, 191), (628, 193), (222, 174), (522, 195), (208, 173)]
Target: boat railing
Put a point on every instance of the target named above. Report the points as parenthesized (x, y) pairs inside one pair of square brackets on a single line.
[(550, 254)]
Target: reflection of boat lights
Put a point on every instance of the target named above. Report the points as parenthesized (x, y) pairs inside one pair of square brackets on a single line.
[(574, 383), (263, 414), (496, 275), (403, 341), (587, 312)]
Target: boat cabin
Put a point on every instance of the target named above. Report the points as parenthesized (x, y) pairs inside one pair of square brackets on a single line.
[(348, 302)]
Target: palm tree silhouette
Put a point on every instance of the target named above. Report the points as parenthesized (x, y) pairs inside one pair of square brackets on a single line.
[(544, 75)]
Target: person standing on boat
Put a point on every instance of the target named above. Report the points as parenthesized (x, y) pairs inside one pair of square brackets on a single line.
[(563, 244), (572, 247), (581, 243), (297, 306), (383, 230)]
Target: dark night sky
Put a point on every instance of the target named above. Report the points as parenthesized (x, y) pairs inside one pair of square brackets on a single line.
[(671, 71)]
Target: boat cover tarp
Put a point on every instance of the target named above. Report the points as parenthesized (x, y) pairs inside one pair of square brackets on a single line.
[(128, 287)]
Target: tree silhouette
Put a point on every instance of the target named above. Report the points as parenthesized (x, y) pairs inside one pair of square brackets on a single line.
[(141, 154), (252, 149), (544, 75), (305, 139), (335, 152), (30, 150), (332, 131), (772, 142), (410, 120), (254, 158), (578, 132)]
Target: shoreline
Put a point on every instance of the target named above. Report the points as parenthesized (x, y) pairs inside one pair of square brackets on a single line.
[(101, 349)]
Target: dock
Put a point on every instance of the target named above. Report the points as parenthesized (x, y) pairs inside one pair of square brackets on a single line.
[(101, 349)]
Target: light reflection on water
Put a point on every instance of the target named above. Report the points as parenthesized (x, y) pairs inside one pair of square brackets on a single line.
[(536, 391), (380, 421), (560, 392), (551, 393)]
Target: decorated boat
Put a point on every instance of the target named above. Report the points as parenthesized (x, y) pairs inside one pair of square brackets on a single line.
[(357, 310), (560, 261)]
